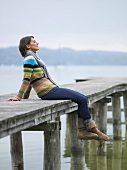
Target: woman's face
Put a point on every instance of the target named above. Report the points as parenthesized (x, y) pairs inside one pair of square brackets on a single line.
[(33, 46)]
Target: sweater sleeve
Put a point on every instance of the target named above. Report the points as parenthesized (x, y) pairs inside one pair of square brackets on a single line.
[(27, 92), (28, 64)]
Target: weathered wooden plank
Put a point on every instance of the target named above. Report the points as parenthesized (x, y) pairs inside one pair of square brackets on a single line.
[(44, 127), (14, 125), (32, 114)]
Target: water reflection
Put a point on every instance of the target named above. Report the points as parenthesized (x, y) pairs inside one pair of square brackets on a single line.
[(117, 154), (115, 158), (124, 154)]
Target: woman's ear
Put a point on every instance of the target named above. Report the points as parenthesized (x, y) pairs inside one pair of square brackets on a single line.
[(28, 46)]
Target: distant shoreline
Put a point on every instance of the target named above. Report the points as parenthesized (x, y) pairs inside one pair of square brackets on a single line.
[(66, 56)]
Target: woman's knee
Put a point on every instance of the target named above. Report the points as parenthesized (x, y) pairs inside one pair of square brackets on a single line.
[(83, 99)]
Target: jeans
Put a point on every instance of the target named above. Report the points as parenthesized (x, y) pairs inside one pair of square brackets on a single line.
[(58, 93)]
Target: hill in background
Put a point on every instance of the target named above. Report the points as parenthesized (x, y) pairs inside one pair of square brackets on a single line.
[(66, 56)]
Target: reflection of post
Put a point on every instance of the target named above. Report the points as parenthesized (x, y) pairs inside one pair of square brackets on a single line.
[(92, 154), (77, 146), (124, 155), (16, 151), (67, 152), (102, 163), (117, 154), (125, 106), (116, 110)]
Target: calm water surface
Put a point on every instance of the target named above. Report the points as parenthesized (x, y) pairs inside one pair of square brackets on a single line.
[(116, 158)]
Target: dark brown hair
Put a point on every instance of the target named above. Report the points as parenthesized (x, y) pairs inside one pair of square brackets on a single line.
[(22, 45)]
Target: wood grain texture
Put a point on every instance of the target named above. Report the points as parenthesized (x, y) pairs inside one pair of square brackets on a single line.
[(116, 111), (16, 151), (52, 154)]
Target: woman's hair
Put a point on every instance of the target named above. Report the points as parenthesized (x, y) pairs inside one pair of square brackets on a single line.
[(22, 45)]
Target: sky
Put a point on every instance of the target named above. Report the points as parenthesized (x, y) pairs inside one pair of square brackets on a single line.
[(77, 24)]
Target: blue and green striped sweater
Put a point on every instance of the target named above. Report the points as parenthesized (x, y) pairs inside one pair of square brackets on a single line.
[(34, 77)]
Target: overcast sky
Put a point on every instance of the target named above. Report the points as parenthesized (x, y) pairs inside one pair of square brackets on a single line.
[(78, 24)]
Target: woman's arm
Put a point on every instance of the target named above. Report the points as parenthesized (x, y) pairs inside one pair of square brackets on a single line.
[(24, 86), (29, 63), (27, 92)]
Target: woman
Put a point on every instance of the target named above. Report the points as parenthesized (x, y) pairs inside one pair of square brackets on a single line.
[(38, 78)]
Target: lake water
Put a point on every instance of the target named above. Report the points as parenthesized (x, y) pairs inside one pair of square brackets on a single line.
[(116, 157)]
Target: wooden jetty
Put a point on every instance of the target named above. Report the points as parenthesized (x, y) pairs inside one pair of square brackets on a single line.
[(35, 114)]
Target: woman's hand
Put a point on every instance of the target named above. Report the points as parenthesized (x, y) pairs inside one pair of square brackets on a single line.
[(13, 99)]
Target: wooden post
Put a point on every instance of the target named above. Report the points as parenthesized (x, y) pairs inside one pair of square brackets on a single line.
[(16, 151), (125, 106), (116, 110), (77, 146), (52, 152), (95, 112), (102, 123), (101, 108), (67, 152)]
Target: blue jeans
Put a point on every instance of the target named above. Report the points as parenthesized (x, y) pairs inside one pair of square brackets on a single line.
[(58, 93)]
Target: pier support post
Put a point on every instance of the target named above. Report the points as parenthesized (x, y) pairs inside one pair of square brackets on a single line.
[(125, 106), (52, 152), (16, 151), (67, 152), (116, 110), (102, 123), (77, 146)]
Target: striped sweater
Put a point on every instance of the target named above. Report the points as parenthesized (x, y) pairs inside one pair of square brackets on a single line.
[(33, 77)]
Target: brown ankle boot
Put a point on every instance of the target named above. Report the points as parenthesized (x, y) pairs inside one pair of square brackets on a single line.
[(91, 127), (83, 133)]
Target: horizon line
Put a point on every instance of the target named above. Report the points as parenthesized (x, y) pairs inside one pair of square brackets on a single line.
[(104, 50)]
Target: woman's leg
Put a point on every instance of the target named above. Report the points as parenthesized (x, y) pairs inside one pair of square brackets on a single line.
[(85, 123), (68, 94)]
